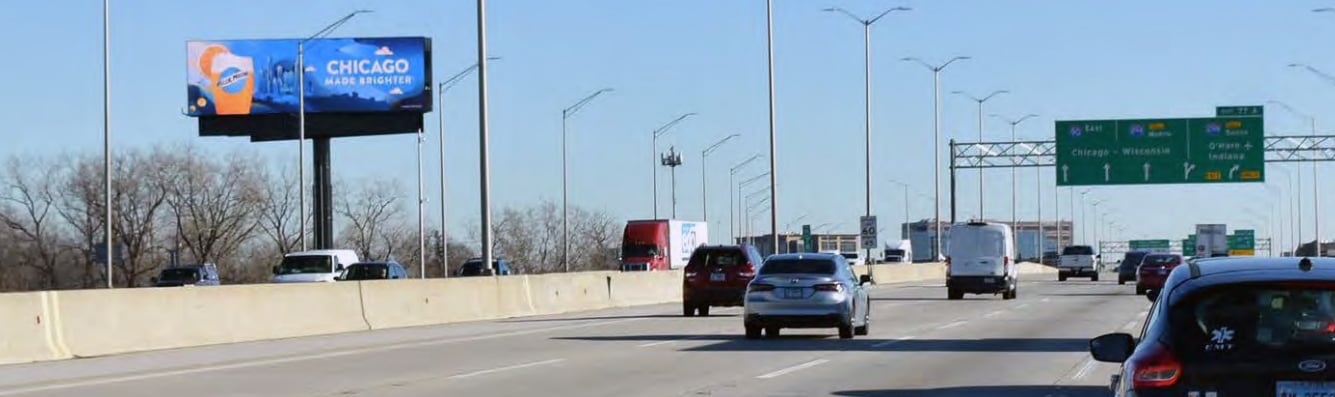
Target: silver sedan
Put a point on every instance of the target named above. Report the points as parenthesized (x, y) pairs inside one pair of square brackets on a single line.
[(807, 291)]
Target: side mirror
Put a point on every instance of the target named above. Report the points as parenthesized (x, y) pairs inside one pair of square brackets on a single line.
[(1152, 295), (275, 270), (1112, 348), (338, 268), (864, 279)]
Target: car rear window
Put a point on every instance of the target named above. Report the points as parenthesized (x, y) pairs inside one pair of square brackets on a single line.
[(1078, 250), (716, 258), (1160, 260), (180, 274), (977, 242), (798, 266), (1255, 321)]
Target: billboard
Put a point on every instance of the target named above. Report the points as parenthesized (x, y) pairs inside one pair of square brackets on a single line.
[(343, 75)]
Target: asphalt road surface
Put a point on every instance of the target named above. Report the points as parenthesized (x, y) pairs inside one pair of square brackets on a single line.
[(920, 345)]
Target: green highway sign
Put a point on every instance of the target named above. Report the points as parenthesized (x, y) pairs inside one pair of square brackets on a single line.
[(1151, 245), (1160, 151), (1189, 247), (808, 241), (1229, 111), (1242, 243)]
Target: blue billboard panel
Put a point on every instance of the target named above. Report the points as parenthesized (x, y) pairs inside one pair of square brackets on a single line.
[(347, 75)]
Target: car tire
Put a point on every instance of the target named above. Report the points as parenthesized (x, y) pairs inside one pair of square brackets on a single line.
[(687, 310), (846, 331), (1121, 281), (864, 329), (1061, 277), (771, 332), (1095, 277), (752, 331), (1140, 290), (954, 294), (704, 310)]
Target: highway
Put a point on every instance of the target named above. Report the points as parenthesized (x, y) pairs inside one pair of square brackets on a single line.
[(920, 345)]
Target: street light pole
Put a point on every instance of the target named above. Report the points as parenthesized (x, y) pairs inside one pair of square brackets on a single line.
[(484, 143), (565, 212), (440, 114), (1014, 189), (106, 136), (654, 154), (903, 233), (866, 69), (742, 199), (936, 149), (1316, 195), (704, 177), (980, 101), (301, 117), (773, 137), (732, 201)]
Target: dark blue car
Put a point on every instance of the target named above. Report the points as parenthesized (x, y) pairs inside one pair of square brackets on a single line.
[(474, 267)]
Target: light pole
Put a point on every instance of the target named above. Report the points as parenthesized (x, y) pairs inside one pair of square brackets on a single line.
[(732, 200), (980, 101), (1014, 189), (866, 82), (936, 148), (440, 125), (565, 212), (106, 136), (654, 155), (751, 207), (903, 234), (1295, 203), (790, 224), (301, 116), (421, 208), (484, 143), (704, 177), (773, 137), (742, 202), (1316, 184)]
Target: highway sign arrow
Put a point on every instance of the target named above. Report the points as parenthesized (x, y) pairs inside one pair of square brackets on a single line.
[(1066, 173), (1107, 172), (1147, 171), (1233, 172), (1187, 167)]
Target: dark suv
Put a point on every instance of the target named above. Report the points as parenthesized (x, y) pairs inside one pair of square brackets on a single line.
[(474, 267), (1126, 271), (388, 270), (717, 275), (205, 274), (1254, 327)]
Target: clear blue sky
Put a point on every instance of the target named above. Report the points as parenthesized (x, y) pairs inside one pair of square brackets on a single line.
[(1063, 60)]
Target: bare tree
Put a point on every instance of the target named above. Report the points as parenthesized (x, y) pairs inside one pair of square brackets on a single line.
[(213, 205), (29, 189), (371, 208), (81, 194), (139, 193), (597, 239), (278, 213)]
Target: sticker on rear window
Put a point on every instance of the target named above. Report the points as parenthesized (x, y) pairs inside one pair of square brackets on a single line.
[(1221, 339)]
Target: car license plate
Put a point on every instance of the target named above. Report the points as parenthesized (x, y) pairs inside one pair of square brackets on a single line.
[(989, 280), (794, 293), (1163, 271), (717, 277), (1304, 389)]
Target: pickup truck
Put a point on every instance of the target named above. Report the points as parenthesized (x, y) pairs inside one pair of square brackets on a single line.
[(1077, 261)]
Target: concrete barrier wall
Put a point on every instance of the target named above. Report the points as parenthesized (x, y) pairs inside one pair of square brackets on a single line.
[(64, 324), (100, 322), (27, 330)]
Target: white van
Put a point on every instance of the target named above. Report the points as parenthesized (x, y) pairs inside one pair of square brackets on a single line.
[(313, 266), (981, 260)]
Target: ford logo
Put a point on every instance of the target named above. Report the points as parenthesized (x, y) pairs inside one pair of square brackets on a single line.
[(1312, 366)]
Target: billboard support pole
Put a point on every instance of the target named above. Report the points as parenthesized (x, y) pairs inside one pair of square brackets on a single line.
[(301, 141), (323, 202)]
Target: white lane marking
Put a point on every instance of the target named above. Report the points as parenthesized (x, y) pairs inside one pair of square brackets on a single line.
[(507, 368), (1021, 306), (1130, 325), (284, 360), (792, 369), (1084, 370), (652, 344), (994, 314), (1045, 300), (891, 342), (953, 325)]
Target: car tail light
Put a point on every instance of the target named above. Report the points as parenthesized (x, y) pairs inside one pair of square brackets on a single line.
[(1158, 368), (760, 288), (747, 271), (828, 287)]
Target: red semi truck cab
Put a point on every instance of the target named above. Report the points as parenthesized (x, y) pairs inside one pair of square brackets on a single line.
[(660, 244)]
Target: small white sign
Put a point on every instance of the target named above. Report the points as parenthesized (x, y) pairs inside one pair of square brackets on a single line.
[(868, 231)]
